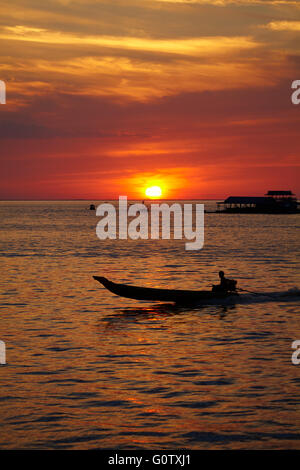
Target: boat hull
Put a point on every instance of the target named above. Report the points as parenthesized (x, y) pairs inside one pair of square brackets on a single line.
[(164, 295)]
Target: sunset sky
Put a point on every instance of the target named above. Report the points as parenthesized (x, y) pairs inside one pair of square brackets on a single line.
[(107, 97)]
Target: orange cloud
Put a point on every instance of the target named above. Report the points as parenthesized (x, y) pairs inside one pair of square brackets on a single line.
[(284, 26), (202, 46)]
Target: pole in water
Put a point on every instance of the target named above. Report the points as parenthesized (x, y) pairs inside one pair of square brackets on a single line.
[(251, 292), (2, 353)]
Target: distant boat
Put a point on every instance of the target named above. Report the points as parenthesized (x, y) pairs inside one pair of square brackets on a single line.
[(165, 295), (92, 207)]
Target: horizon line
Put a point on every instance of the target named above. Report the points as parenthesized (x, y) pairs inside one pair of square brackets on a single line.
[(111, 199)]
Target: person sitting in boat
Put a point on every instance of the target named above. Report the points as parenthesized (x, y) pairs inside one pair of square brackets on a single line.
[(226, 285)]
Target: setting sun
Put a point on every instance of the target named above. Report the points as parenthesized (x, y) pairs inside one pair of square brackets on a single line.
[(153, 191)]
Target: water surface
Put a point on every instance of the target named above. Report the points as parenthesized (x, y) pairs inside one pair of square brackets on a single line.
[(86, 369)]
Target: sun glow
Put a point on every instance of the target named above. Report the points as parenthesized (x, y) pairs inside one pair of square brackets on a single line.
[(153, 191)]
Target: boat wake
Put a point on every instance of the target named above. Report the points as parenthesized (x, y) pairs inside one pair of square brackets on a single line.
[(290, 295), (129, 315)]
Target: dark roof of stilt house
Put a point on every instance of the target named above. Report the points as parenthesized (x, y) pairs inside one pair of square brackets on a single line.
[(279, 193), (247, 200)]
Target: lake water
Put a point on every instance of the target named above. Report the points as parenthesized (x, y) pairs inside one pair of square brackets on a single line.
[(90, 370)]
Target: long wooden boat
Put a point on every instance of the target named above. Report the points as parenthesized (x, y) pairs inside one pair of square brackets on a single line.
[(165, 295)]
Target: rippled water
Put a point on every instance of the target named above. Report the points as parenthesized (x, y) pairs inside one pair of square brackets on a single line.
[(86, 369)]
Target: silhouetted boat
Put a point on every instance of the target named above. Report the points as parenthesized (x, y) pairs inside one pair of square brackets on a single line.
[(165, 295)]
